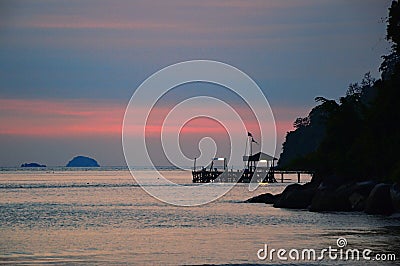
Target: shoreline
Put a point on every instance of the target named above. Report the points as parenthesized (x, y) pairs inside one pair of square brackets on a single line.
[(370, 197)]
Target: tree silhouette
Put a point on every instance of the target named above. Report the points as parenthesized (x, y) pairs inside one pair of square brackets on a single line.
[(356, 138), (393, 27)]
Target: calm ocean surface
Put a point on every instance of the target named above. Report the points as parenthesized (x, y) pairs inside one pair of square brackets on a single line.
[(103, 217)]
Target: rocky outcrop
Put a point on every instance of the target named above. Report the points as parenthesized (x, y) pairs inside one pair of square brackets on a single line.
[(82, 161), (379, 200), (395, 196), (296, 196), (266, 198), (367, 196), (327, 200), (347, 197), (359, 195)]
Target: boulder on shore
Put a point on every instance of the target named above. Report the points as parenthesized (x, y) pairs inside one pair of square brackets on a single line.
[(332, 182), (82, 161), (328, 200), (296, 196), (266, 198), (379, 200), (347, 197), (395, 195), (360, 193), (367, 196)]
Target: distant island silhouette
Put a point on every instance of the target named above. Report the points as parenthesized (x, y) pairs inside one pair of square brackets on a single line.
[(82, 161), (33, 165)]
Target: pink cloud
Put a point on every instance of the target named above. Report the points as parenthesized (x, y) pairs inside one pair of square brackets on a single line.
[(82, 118), (58, 118)]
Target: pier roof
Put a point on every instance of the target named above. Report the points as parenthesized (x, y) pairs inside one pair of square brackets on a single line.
[(258, 157)]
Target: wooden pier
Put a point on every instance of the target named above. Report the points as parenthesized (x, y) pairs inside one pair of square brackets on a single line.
[(237, 176), (281, 174), (259, 168)]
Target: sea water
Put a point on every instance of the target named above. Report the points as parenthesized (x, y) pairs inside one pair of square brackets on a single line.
[(102, 216)]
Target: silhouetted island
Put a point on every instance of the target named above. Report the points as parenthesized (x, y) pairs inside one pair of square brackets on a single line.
[(82, 161), (32, 165)]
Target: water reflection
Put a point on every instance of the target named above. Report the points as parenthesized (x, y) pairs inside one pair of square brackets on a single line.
[(54, 222)]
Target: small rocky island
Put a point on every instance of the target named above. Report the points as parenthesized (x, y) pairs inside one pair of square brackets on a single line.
[(82, 161), (32, 165)]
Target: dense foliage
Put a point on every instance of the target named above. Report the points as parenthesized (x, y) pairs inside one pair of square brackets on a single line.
[(357, 138)]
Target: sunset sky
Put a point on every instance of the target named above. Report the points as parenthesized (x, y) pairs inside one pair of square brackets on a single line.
[(69, 68)]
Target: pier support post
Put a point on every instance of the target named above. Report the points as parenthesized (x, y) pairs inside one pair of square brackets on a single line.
[(298, 177), (282, 177)]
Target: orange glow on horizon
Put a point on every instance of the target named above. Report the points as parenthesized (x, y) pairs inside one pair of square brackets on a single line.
[(74, 118)]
